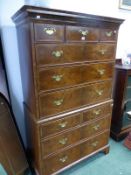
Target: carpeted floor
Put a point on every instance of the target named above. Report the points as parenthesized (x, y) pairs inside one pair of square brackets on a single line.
[(117, 162)]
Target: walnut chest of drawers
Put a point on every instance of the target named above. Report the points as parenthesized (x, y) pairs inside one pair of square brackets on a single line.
[(67, 65)]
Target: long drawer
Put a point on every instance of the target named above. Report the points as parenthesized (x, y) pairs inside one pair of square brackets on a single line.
[(61, 160), (62, 77), (73, 98), (51, 54), (68, 138)]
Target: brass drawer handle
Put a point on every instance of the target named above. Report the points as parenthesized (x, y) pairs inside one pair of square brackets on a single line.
[(96, 127), (63, 125), (99, 92), (57, 53), (109, 34), (94, 144), (103, 51), (84, 32), (97, 112), (63, 159), (49, 30), (63, 141), (101, 71), (58, 102), (57, 77)]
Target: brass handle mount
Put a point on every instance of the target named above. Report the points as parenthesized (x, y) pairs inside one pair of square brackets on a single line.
[(58, 102), (57, 53), (63, 141), (49, 30), (63, 159), (57, 77), (63, 125)]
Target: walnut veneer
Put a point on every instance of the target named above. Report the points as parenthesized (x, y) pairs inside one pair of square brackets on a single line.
[(67, 65)]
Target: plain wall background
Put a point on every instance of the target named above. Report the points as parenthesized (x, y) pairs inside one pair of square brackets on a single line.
[(9, 38)]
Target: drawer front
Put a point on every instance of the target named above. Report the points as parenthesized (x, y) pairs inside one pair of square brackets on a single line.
[(95, 143), (57, 126), (60, 77), (60, 141), (50, 54), (97, 112), (65, 100), (48, 32), (61, 160), (95, 127), (58, 54), (96, 52), (74, 33), (108, 35)]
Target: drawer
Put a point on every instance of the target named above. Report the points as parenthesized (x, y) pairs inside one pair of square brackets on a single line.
[(57, 126), (60, 141), (97, 112), (48, 32), (3, 106), (50, 54), (75, 33), (47, 54), (61, 160), (60, 77), (95, 127), (97, 52), (108, 35), (65, 100), (95, 143)]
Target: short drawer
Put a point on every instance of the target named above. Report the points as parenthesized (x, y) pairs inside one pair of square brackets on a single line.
[(61, 160), (50, 54), (95, 127), (60, 77), (108, 35), (73, 98), (99, 51), (95, 143), (60, 141), (62, 124), (48, 32), (97, 112), (75, 33)]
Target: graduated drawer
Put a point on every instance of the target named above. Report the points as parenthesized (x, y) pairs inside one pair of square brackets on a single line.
[(97, 112), (108, 34), (79, 33), (48, 32), (95, 143), (50, 54), (95, 127), (60, 125), (65, 100), (60, 77), (60, 141), (61, 160)]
